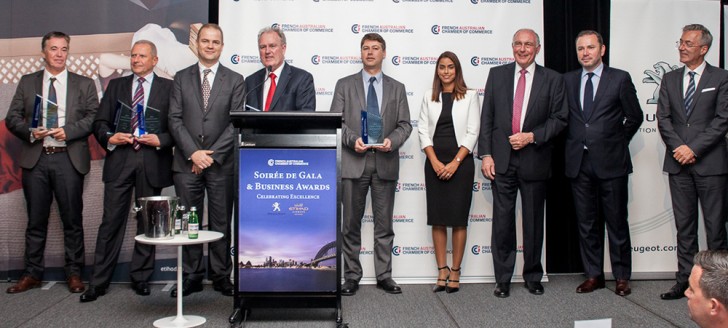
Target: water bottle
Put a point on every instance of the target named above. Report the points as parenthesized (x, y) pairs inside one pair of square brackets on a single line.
[(194, 225)]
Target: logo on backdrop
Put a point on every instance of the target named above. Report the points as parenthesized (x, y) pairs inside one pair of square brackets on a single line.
[(324, 92), (655, 77), (463, 29), (414, 60), (479, 218), (478, 186), (327, 60), (402, 218), (412, 250), (309, 28), (493, 61), (403, 155), (410, 186), (475, 2), (384, 28), (240, 59)]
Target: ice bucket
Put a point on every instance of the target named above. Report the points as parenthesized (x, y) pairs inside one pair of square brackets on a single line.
[(158, 213)]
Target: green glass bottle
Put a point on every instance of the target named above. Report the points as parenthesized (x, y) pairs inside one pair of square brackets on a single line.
[(194, 225)]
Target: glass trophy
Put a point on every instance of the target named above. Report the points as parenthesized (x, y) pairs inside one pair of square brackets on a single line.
[(151, 121), (37, 112), (40, 121), (371, 129), (122, 120)]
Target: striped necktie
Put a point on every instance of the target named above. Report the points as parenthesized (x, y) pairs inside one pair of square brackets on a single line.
[(690, 93), (136, 101)]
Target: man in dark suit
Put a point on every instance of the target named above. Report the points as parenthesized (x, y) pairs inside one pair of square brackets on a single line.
[(278, 86), (138, 163), (366, 166), (604, 115), (523, 110), (54, 157), (692, 115), (204, 160)]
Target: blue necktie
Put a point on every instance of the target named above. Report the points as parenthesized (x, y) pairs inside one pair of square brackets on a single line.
[(690, 93), (588, 103), (374, 120), (52, 120)]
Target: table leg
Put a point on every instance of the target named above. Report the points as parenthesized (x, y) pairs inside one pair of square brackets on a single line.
[(180, 320)]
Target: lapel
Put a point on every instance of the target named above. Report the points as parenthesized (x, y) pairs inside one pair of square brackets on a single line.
[(603, 84), (216, 86), (125, 95), (538, 76), (258, 81), (704, 79), (576, 89), (72, 89), (680, 91), (281, 85), (386, 94), (195, 72), (153, 93), (510, 79), (359, 90)]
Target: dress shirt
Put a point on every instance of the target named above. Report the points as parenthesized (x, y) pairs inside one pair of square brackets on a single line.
[(266, 86), (527, 94), (686, 78), (211, 75), (595, 82), (61, 86), (377, 88)]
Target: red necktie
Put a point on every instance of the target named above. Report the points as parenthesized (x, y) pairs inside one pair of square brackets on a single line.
[(271, 91), (518, 102)]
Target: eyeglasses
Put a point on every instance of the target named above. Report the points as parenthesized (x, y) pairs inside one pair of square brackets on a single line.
[(687, 44), (528, 45)]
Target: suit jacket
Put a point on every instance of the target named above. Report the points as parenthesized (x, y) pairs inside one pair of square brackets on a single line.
[(81, 103), (465, 119), (614, 120), (195, 129), (546, 116), (350, 101), (157, 162), (704, 130), (294, 92)]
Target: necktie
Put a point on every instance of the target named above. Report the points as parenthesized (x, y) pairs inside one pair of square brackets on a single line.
[(588, 103), (271, 91), (374, 121), (518, 102), (135, 102), (52, 106), (690, 93), (205, 88)]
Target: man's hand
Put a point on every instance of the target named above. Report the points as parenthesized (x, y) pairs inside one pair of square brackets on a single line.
[(121, 138), (196, 170), (488, 167), (683, 155), (58, 134), (520, 140), (386, 146), (359, 146), (40, 133), (202, 159), (149, 140)]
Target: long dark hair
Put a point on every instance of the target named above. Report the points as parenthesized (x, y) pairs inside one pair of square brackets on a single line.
[(460, 88)]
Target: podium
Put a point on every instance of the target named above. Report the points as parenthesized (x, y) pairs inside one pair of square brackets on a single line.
[(287, 250)]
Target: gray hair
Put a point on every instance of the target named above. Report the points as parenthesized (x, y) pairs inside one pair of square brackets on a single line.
[(706, 39), (538, 39), (149, 43), (275, 29), (714, 281)]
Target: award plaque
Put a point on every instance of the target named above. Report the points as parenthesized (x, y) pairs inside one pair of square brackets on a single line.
[(37, 112), (151, 122), (371, 129), (122, 121)]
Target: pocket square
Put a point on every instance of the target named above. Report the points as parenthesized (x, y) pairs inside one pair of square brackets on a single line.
[(707, 90)]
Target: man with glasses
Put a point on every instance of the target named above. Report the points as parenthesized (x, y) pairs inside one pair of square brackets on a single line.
[(692, 115), (523, 110)]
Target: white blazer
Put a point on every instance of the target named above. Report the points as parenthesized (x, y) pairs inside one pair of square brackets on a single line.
[(465, 118)]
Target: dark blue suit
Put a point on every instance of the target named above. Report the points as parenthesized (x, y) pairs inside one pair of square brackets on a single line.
[(294, 91), (598, 163)]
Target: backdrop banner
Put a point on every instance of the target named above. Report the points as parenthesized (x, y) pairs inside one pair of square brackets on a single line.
[(647, 56), (323, 37)]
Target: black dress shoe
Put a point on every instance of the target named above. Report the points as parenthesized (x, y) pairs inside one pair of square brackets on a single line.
[(534, 287), (389, 286), (92, 293), (224, 286), (502, 290), (676, 292), (141, 288), (349, 287), (188, 287)]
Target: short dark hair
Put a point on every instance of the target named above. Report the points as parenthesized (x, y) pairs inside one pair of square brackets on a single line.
[(373, 37), (212, 26), (590, 32), (706, 39), (54, 34), (460, 87), (714, 280)]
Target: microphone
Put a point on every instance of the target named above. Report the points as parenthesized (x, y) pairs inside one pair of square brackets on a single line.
[(268, 70)]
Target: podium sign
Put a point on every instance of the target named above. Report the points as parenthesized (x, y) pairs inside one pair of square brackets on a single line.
[(287, 220)]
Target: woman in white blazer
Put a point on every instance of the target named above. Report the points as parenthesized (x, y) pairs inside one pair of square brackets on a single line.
[(449, 124)]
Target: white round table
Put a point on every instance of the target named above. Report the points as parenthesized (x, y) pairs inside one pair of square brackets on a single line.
[(179, 241)]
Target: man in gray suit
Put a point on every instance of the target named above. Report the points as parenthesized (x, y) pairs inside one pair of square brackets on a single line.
[(692, 115), (204, 159), (523, 110), (54, 157), (372, 165)]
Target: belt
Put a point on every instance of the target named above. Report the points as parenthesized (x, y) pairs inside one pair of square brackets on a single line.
[(54, 150)]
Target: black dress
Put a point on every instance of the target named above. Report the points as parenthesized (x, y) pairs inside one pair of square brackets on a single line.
[(448, 201)]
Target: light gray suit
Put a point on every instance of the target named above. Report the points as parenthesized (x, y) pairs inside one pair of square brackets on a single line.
[(378, 170), (194, 128)]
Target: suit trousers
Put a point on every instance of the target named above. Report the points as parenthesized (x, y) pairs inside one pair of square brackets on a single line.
[(686, 189), (592, 194), (503, 238), (53, 176), (117, 201), (191, 188), (354, 202)]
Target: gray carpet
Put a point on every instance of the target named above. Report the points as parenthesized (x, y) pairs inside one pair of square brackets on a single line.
[(473, 306)]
